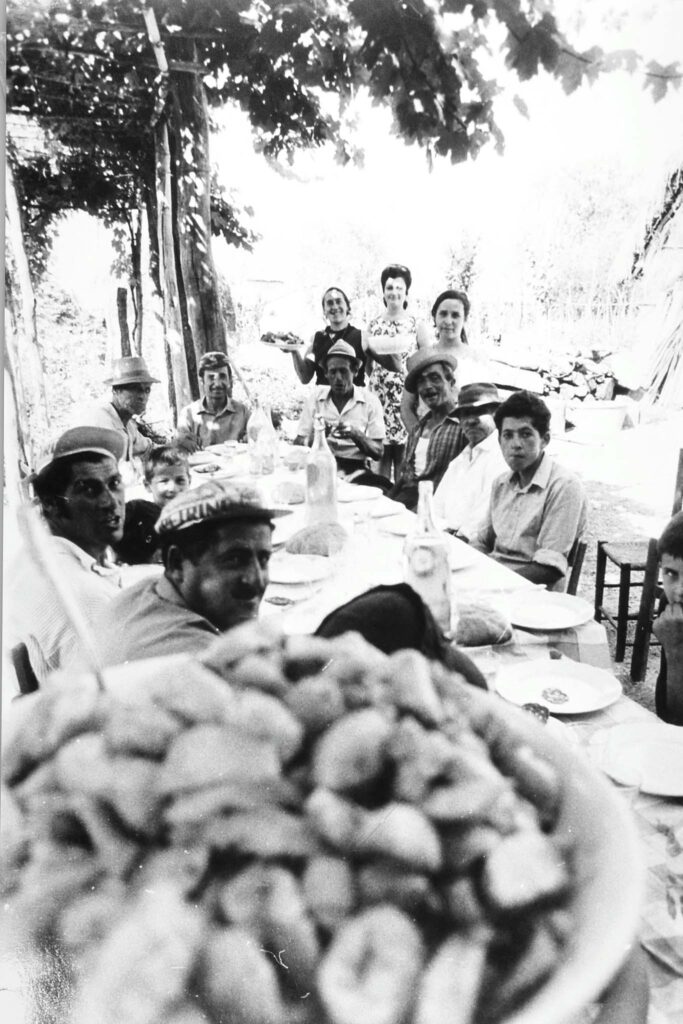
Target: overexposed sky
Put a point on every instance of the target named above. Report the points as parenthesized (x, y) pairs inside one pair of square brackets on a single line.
[(331, 224)]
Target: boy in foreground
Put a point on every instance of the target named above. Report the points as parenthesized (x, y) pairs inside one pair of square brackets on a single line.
[(668, 626)]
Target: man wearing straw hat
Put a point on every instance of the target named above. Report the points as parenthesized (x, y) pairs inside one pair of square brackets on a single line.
[(352, 415), (131, 384), (216, 416), (216, 545), (79, 488)]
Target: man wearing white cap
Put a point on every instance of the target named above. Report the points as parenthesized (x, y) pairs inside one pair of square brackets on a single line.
[(79, 488), (216, 545), (352, 414), (131, 384)]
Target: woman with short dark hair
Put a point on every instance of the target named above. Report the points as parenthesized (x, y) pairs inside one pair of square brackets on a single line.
[(336, 309), (388, 340)]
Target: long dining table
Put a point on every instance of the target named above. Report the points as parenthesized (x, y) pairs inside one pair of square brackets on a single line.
[(372, 555)]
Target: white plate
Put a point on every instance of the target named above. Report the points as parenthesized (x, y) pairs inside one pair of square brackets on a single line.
[(583, 688), (547, 610), (386, 507), (286, 568), (400, 525), (654, 748), (201, 458), (358, 492)]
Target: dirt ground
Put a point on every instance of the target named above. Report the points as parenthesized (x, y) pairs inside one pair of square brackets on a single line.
[(629, 477)]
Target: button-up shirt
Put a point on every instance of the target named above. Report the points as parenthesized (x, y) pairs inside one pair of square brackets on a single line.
[(149, 619), (34, 614), (462, 498), (104, 414), (444, 445), (362, 411), (535, 523), (202, 428)]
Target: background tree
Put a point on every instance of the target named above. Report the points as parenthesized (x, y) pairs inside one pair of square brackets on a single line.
[(128, 87)]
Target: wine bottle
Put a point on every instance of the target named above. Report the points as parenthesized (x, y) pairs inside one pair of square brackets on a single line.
[(426, 561)]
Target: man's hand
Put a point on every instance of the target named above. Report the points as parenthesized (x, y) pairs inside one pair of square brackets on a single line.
[(668, 628)]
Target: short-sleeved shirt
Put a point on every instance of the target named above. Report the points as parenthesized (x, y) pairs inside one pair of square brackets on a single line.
[(34, 615), (462, 498), (536, 523), (323, 342), (362, 411), (149, 619), (104, 414), (197, 424)]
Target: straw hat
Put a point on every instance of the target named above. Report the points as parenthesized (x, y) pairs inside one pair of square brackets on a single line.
[(130, 370)]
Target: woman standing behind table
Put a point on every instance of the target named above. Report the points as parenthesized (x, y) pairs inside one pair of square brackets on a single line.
[(337, 310), (449, 313), (388, 340)]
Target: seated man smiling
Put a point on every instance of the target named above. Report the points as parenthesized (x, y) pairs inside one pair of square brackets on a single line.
[(538, 509), (353, 416), (216, 546)]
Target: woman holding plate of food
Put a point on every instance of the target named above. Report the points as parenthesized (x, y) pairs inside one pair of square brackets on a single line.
[(388, 341), (310, 361)]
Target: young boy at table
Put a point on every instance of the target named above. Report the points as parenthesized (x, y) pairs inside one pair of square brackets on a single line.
[(668, 626), (167, 473)]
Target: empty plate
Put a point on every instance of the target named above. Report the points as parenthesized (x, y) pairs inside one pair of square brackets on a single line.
[(565, 687), (547, 610)]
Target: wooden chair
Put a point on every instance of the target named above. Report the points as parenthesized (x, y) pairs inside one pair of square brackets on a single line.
[(628, 556), (575, 559), (26, 677), (646, 612)]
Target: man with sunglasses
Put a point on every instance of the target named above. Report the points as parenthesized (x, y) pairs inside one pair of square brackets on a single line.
[(131, 384), (81, 495)]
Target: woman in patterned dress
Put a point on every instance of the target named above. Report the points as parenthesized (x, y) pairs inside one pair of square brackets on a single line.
[(388, 340)]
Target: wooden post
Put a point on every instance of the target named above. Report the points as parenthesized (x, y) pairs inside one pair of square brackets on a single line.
[(122, 311)]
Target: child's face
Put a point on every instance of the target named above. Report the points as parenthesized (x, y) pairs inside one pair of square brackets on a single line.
[(672, 578), (167, 482)]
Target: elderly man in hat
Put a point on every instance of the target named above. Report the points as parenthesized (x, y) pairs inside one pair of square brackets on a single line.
[(352, 414), (215, 545), (79, 489), (131, 384), (462, 498), (436, 439), (216, 416)]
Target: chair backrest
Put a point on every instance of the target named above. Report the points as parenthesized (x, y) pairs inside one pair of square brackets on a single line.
[(678, 489), (575, 559), (26, 677), (648, 596)]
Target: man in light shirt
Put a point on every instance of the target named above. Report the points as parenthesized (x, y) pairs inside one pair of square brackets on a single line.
[(537, 509), (80, 491), (462, 498)]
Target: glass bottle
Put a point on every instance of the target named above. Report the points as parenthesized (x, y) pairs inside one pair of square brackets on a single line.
[(255, 424), (321, 479), (426, 565), (267, 443)]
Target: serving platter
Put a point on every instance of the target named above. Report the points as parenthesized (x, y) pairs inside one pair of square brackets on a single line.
[(654, 749), (547, 610), (565, 687)]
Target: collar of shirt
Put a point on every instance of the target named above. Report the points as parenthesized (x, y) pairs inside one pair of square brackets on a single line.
[(228, 407), (430, 415), (359, 395), (489, 444), (166, 590), (86, 560), (540, 478)]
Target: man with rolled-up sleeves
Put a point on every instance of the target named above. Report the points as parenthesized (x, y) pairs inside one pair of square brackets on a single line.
[(537, 510)]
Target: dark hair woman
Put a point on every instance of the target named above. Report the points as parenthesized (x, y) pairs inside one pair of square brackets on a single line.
[(388, 340), (336, 309)]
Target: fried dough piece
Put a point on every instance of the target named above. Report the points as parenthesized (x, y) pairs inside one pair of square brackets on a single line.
[(451, 984), (209, 754), (142, 967), (524, 869), (329, 890), (353, 751), (239, 980), (371, 968), (412, 688)]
